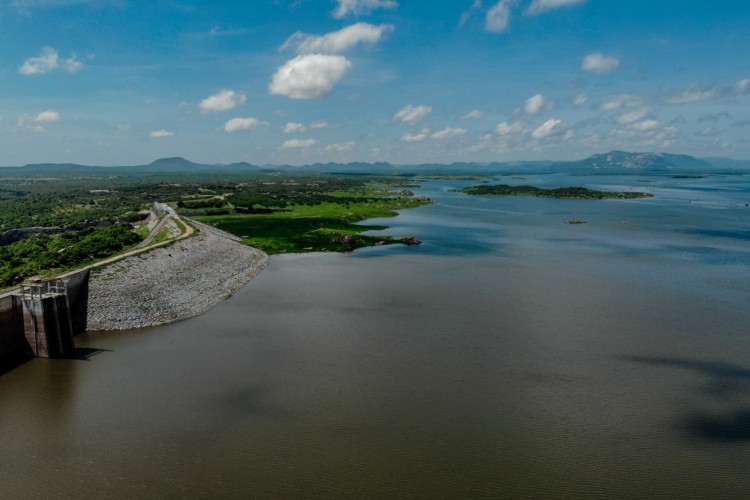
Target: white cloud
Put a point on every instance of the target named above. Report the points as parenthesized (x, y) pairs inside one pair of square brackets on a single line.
[(294, 128), (497, 18), (742, 86), (620, 100), (49, 60), (341, 148), (320, 124), (222, 101), (310, 76), (161, 133), (534, 104), (598, 63), (646, 125), (418, 137), (541, 6), (474, 114), (549, 128), (237, 124), (47, 116), (506, 128), (338, 41), (580, 100), (412, 114), (357, 7), (448, 132), (298, 143), (632, 116), (477, 5), (691, 95)]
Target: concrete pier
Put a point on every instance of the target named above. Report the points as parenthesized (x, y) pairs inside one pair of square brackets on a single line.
[(48, 326), (41, 318)]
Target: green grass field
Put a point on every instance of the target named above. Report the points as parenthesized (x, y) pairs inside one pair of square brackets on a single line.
[(318, 228)]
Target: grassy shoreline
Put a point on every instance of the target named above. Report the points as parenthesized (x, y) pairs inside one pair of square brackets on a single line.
[(326, 227)]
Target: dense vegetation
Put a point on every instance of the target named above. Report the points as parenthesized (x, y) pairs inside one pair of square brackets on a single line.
[(46, 253), (579, 193)]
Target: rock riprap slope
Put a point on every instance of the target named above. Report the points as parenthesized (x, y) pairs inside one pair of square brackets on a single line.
[(171, 283)]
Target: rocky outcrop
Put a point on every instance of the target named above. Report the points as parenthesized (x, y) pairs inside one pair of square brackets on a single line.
[(171, 283)]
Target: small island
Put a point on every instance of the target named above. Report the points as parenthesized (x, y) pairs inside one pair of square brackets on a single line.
[(573, 192)]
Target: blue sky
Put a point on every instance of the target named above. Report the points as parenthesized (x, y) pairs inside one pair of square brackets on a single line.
[(117, 82)]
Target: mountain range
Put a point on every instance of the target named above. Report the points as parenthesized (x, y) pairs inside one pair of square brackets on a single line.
[(620, 162)]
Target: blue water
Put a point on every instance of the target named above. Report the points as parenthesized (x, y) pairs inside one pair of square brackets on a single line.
[(511, 355)]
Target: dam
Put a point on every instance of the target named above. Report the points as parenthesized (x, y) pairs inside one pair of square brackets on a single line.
[(41, 318)]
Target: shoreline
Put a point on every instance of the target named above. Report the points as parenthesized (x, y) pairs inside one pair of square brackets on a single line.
[(171, 283)]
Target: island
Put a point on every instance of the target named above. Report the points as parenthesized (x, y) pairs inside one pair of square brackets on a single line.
[(573, 192)]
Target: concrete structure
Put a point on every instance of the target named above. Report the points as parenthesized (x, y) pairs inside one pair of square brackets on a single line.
[(40, 319), (47, 323)]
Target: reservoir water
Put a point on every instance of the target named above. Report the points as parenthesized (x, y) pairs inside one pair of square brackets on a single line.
[(511, 355)]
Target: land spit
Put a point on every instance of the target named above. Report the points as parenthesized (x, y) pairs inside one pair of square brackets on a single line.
[(171, 283)]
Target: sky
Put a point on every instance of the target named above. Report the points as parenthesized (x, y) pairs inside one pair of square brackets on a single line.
[(124, 82)]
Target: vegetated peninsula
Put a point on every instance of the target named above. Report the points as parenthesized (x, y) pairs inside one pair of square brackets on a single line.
[(573, 192)]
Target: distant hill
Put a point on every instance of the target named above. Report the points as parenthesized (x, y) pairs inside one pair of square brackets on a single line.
[(659, 162), (620, 162)]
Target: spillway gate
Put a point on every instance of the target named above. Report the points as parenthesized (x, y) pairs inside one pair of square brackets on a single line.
[(47, 320)]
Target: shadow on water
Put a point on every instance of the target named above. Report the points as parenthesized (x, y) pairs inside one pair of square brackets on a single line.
[(9, 363), (727, 389), (86, 353)]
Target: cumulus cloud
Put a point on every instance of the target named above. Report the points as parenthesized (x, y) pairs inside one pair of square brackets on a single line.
[(549, 128), (338, 41), (47, 116), (580, 100), (358, 7), (310, 76), (741, 87), (506, 128), (474, 114), (646, 125), (298, 143), (49, 60), (620, 100), (598, 63), (412, 114), (534, 104), (448, 132), (541, 6), (691, 95), (294, 128), (497, 18), (161, 133), (222, 101), (632, 116), (237, 124), (418, 137), (320, 124), (340, 148)]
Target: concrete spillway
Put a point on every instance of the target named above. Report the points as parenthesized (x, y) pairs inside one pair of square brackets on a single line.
[(40, 319), (47, 322)]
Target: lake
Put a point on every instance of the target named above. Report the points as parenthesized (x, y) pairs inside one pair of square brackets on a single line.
[(511, 355)]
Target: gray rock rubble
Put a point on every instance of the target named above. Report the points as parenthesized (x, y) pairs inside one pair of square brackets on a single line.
[(171, 283)]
